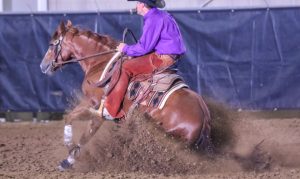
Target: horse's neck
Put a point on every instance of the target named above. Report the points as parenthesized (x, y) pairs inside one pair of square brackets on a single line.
[(94, 64)]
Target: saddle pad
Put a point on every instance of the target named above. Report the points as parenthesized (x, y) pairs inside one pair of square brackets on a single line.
[(159, 82), (162, 82), (159, 99), (155, 92)]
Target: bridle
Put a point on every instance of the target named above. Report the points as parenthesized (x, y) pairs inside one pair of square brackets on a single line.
[(57, 50)]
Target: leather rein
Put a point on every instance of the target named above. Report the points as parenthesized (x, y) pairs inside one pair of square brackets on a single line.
[(86, 57)]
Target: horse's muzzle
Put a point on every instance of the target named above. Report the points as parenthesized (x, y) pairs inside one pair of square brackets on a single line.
[(47, 68), (44, 68)]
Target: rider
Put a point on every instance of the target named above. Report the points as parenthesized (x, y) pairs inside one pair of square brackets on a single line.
[(160, 45)]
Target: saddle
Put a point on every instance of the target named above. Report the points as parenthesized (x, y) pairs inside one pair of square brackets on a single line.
[(150, 90)]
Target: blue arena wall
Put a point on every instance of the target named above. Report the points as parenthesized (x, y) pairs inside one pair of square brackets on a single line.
[(247, 59)]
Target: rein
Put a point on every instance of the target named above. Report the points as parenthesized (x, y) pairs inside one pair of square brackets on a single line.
[(86, 57)]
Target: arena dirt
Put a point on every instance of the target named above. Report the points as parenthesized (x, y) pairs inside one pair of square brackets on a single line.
[(246, 146)]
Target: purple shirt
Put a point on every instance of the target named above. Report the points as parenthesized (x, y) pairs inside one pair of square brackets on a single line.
[(160, 34)]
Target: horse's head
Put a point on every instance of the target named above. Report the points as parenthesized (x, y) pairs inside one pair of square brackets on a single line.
[(58, 51)]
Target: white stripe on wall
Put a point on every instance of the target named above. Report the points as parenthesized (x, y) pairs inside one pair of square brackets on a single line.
[(1, 6)]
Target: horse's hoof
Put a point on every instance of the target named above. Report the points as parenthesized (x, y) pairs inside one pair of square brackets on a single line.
[(64, 165)]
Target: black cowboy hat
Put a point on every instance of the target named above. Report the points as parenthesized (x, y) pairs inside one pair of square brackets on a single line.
[(153, 3)]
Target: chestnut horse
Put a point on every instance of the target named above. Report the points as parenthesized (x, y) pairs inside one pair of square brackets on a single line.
[(185, 114)]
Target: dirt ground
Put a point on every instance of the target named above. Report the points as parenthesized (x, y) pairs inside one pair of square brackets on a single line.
[(248, 145)]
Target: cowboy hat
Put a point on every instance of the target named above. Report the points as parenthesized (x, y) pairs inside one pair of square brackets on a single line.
[(153, 3)]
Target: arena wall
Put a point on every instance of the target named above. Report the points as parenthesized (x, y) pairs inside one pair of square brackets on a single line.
[(246, 59)]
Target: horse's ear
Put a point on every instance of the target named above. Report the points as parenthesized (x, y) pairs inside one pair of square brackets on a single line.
[(61, 28), (69, 24)]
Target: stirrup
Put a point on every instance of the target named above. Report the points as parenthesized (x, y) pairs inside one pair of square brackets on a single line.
[(106, 115), (103, 111)]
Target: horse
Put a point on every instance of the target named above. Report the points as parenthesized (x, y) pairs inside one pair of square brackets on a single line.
[(184, 115)]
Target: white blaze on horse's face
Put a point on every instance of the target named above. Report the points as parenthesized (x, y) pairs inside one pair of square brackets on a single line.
[(54, 52), (47, 62)]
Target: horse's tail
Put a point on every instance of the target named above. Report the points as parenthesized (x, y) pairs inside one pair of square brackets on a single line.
[(204, 142)]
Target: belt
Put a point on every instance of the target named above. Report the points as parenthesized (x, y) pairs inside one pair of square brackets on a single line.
[(175, 57), (172, 56)]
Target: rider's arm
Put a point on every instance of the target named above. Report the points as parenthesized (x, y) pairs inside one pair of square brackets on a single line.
[(148, 40)]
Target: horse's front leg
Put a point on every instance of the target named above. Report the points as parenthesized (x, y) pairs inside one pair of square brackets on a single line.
[(74, 150), (92, 128)]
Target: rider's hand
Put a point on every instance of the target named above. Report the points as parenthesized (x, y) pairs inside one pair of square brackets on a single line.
[(120, 47)]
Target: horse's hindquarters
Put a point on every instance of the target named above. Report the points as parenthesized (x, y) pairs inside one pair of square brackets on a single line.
[(183, 115)]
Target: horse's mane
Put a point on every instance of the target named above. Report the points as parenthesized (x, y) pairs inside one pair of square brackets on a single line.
[(98, 38)]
